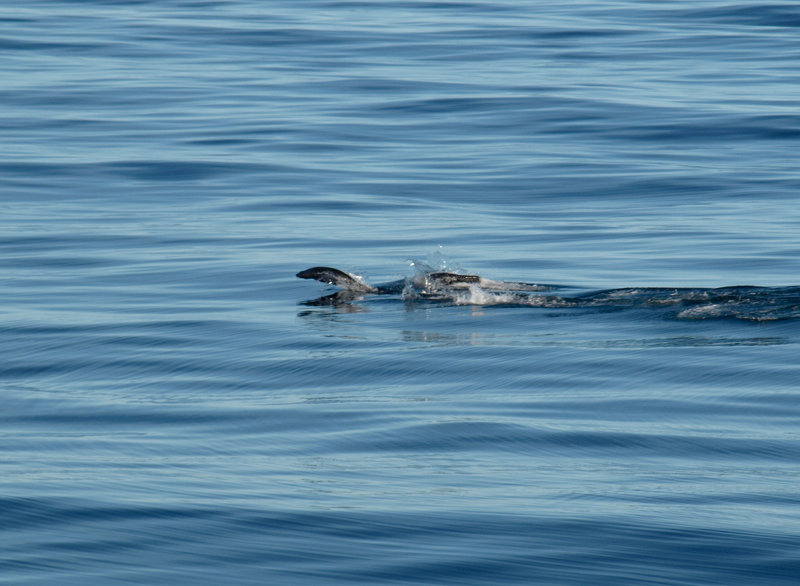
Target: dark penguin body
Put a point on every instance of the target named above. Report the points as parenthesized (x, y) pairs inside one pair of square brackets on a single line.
[(336, 277), (333, 276)]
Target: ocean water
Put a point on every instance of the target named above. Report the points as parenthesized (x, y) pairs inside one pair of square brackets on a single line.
[(177, 407)]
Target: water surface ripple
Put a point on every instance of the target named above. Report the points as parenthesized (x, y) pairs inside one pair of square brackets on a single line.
[(177, 407)]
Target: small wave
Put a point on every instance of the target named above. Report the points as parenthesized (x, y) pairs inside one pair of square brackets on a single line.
[(712, 310)]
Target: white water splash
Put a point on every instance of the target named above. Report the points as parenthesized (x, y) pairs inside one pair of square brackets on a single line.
[(476, 295)]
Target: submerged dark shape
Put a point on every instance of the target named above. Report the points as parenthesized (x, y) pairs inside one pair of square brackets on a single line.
[(744, 302)]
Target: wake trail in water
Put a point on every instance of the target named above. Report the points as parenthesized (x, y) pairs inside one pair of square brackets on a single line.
[(748, 303)]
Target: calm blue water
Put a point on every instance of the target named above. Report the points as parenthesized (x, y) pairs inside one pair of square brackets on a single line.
[(174, 411)]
